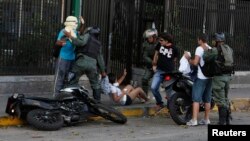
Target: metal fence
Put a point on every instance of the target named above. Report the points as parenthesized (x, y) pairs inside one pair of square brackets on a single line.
[(187, 18), (28, 29), (123, 23)]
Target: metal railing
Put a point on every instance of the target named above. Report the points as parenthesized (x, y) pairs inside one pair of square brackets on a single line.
[(28, 29), (187, 18)]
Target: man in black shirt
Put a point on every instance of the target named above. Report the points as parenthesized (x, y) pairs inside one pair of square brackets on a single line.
[(165, 58)]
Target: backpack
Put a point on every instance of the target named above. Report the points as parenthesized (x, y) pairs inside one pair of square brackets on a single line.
[(218, 61), (227, 61), (211, 65)]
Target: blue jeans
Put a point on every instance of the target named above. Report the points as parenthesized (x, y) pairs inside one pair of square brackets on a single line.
[(157, 80), (202, 90), (62, 70)]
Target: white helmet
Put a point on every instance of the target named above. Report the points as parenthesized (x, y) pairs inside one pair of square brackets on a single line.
[(150, 32)]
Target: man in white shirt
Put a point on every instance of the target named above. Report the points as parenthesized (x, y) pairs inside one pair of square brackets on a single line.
[(202, 88)]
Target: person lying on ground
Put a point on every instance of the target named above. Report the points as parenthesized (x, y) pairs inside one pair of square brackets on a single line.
[(128, 94)]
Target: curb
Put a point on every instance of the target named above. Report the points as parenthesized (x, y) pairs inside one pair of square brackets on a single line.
[(239, 105), (10, 121)]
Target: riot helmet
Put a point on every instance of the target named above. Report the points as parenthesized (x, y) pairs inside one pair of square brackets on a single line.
[(219, 37), (150, 33)]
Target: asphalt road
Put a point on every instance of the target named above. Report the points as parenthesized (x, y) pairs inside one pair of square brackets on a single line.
[(136, 129)]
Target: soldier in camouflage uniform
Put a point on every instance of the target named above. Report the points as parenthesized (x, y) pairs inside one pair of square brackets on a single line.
[(148, 53), (220, 85), (89, 57)]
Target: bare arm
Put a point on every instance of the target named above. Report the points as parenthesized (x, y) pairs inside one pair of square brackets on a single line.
[(120, 80), (80, 41), (195, 61), (154, 62), (81, 27)]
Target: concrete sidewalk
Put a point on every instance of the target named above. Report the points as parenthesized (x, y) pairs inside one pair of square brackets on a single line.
[(240, 102)]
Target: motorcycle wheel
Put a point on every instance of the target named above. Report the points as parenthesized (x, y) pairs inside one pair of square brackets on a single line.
[(179, 110), (110, 113), (44, 119)]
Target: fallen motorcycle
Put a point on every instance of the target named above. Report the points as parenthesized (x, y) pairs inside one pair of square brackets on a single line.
[(180, 103), (71, 106)]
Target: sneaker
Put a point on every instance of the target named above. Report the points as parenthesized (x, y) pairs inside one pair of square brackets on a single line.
[(204, 122), (192, 122)]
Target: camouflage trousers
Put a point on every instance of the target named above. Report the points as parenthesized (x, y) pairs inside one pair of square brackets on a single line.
[(87, 65), (146, 79), (220, 88)]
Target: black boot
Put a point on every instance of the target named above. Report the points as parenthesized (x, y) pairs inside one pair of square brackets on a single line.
[(97, 94), (222, 115), (229, 117)]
